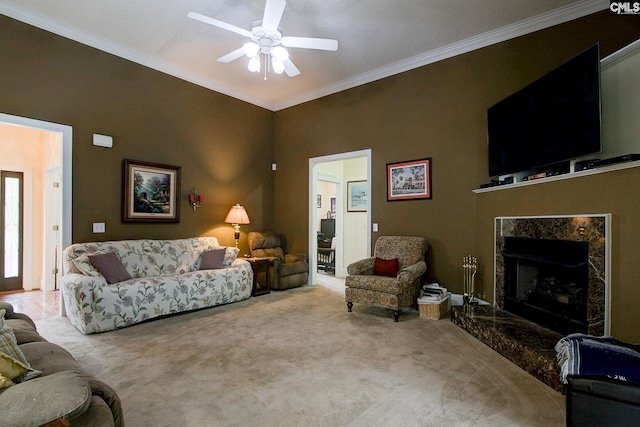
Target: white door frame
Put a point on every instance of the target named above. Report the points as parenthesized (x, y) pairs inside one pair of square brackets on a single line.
[(313, 211), (67, 145)]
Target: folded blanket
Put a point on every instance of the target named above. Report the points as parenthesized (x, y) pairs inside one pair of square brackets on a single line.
[(580, 354)]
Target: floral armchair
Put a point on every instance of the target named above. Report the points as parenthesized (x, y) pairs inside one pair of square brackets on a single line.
[(391, 278)]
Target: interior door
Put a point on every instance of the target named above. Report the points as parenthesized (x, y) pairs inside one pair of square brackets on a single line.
[(11, 230)]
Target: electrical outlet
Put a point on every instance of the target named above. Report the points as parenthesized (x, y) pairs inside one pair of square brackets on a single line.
[(99, 227)]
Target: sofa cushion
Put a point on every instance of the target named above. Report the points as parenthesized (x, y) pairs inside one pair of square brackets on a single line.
[(23, 329), (110, 266), (84, 265), (50, 358), (7, 307), (230, 255), (143, 258), (43, 400), (213, 259), (374, 283), (386, 267)]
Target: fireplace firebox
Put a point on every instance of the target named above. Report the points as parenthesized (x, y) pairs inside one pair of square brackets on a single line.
[(546, 281)]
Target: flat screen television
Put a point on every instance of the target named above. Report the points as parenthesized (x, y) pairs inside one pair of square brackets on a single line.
[(554, 119)]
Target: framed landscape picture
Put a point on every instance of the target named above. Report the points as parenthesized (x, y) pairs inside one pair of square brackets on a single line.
[(151, 192), (357, 196), (409, 180)]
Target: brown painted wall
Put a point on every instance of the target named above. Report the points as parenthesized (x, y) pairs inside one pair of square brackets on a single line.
[(439, 111), (223, 145)]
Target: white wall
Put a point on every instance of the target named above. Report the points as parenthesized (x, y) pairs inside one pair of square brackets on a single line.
[(620, 87), (355, 223)]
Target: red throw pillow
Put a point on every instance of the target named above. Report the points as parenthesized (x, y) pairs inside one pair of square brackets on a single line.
[(386, 267)]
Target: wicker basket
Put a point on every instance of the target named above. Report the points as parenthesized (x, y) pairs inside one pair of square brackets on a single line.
[(434, 310)]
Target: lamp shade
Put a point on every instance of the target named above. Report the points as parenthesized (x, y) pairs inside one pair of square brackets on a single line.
[(237, 215)]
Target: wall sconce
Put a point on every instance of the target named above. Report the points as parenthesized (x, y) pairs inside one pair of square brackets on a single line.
[(236, 216), (195, 199)]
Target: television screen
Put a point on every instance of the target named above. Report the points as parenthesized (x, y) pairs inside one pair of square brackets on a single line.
[(554, 119)]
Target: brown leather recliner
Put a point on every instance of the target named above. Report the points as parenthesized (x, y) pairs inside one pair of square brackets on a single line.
[(286, 271)]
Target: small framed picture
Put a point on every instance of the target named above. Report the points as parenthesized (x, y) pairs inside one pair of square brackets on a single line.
[(151, 192), (409, 180), (357, 196)]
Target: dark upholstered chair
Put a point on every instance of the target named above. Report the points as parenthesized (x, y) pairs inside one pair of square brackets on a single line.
[(601, 401), (286, 271), (394, 291)]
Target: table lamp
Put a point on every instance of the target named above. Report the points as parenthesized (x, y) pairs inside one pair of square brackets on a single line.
[(237, 215)]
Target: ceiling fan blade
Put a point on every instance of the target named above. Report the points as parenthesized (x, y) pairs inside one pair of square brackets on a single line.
[(231, 56), (207, 20), (310, 43), (290, 68), (273, 13)]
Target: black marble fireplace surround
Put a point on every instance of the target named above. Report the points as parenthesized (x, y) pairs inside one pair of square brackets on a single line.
[(559, 247), (590, 231)]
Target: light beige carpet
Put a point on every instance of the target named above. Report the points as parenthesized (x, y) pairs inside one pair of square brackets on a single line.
[(297, 358)]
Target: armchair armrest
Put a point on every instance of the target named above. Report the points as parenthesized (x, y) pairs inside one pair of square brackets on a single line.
[(361, 267), (273, 261), (42, 400), (410, 273), (296, 258)]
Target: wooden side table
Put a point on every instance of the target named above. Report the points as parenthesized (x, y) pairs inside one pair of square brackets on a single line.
[(260, 267)]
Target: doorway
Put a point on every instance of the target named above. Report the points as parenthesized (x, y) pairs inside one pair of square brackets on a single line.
[(352, 240), (42, 152), (11, 230)]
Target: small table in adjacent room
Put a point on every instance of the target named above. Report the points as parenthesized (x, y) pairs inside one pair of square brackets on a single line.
[(260, 267)]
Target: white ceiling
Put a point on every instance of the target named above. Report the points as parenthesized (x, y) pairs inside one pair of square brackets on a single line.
[(376, 38)]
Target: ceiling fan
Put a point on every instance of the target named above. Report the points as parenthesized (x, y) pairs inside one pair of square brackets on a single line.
[(266, 39)]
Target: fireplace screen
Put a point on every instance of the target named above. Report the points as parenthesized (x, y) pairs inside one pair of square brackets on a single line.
[(546, 281)]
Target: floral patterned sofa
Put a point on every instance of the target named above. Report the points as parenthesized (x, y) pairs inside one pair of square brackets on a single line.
[(165, 278)]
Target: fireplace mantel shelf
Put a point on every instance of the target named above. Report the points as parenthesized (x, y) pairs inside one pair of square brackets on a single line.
[(610, 168)]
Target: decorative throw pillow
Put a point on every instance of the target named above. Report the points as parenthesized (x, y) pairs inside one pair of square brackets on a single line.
[(386, 267), (110, 266), (10, 368), (213, 259), (9, 346)]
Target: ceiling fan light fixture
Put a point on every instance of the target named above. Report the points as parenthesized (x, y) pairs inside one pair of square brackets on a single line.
[(250, 49), (280, 53), (277, 66), (254, 64)]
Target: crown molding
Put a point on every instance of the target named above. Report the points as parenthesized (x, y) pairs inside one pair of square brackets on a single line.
[(555, 17), (620, 55), (539, 22)]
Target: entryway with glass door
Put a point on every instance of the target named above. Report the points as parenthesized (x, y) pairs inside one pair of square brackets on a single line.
[(11, 230)]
